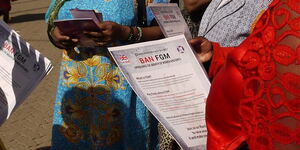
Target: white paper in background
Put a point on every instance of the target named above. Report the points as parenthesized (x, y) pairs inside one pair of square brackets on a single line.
[(166, 75), (170, 19), (21, 69)]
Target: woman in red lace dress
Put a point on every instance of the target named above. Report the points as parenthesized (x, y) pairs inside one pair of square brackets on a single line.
[(255, 92)]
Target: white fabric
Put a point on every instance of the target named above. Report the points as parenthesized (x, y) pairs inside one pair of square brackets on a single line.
[(223, 2)]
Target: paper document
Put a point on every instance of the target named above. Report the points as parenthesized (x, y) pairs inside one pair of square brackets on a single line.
[(21, 69), (170, 19), (166, 75)]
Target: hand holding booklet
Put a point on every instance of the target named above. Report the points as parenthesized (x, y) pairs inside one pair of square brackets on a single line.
[(21, 69), (84, 20), (167, 77), (75, 27)]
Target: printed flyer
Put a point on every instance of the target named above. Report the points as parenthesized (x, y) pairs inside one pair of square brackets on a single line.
[(170, 19), (167, 77), (22, 68)]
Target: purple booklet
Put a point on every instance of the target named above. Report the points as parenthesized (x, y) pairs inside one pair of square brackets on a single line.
[(84, 20), (75, 27), (86, 13)]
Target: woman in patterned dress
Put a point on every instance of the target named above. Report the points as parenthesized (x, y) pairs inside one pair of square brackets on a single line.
[(95, 107)]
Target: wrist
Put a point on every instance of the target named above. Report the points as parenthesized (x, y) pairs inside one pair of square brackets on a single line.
[(131, 34), (125, 33), (51, 36)]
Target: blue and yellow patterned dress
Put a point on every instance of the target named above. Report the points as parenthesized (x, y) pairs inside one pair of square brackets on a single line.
[(95, 107)]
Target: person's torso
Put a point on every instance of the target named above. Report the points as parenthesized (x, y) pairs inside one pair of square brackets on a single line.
[(230, 24), (119, 11)]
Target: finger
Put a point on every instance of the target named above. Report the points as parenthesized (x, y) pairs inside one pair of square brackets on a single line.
[(100, 24), (206, 46), (107, 33), (204, 57), (196, 44), (63, 38), (197, 41), (75, 40), (201, 44), (94, 34), (105, 25), (59, 35), (68, 44), (103, 39), (101, 44)]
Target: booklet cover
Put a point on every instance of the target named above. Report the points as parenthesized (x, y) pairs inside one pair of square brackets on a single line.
[(83, 20), (21, 69), (86, 13), (75, 27), (167, 77)]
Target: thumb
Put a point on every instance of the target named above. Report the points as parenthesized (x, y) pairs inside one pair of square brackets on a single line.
[(197, 40), (199, 43)]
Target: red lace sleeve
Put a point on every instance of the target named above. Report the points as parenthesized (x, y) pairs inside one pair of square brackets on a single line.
[(220, 54), (272, 79)]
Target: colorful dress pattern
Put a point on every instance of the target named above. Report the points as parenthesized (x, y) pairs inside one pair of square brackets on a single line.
[(95, 107)]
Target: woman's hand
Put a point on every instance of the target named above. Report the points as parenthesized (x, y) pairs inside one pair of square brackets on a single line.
[(62, 41), (203, 48), (110, 32)]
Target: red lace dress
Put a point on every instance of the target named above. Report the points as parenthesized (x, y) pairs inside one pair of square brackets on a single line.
[(255, 93)]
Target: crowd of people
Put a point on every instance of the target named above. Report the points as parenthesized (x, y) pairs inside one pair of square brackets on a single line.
[(251, 48)]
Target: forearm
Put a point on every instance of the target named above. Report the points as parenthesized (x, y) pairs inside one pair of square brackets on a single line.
[(152, 33), (133, 34)]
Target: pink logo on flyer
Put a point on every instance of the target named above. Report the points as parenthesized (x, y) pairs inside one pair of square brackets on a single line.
[(166, 17), (124, 59), (180, 49)]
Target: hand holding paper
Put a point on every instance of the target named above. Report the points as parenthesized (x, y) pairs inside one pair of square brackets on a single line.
[(110, 32), (203, 49), (62, 41)]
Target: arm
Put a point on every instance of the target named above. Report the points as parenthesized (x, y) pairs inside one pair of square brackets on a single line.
[(55, 36), (111, 32), (206, 51)]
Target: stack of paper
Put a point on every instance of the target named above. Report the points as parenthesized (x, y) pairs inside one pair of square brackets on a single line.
[(21, 69)]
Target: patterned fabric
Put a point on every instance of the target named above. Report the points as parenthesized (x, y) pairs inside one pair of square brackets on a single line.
[(230, 24), (192, 21), (261, 107), (95, 107), (166, 141)]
